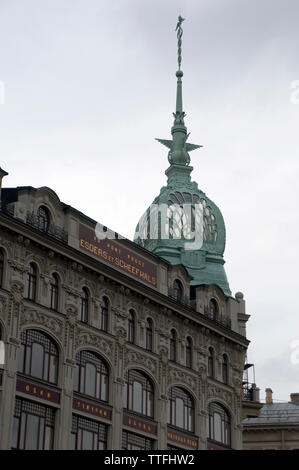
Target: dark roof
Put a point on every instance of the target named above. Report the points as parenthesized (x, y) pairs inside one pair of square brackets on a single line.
[(276, 413)]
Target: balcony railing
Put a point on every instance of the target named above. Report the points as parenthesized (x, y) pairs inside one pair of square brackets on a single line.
[(49, 229), (219, 318)]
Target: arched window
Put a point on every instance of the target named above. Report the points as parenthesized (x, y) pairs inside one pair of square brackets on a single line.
[(219, 424), (211, 363), (43, 218), (84, 305), (32, 279), (139, 393), (189, 352), (38, 356), (225, 369), (91, 375), (149, 335), (180, 409), (1, 267), (54, 286), (214, 310), (131, 327), (177, 290), (172, 348), (104, 314)]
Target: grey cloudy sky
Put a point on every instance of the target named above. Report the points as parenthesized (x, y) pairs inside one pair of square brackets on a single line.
[(89, 84)]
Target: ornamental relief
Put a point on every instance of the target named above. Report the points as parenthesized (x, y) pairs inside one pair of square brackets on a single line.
[(3, 306), (217, 392), (86, 339), (38, 318), (133, 358), (175, 376)]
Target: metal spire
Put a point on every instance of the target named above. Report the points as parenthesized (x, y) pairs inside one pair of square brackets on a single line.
[(178, 154)]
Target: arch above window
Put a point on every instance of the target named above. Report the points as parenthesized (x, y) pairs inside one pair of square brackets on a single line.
[(139, 393), (38, 356), (91, 375), (180, 409)]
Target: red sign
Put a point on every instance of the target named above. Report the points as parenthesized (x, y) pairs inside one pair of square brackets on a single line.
[(38, 391), (115, 253), (140, 424), (180, 438), (95, 410)]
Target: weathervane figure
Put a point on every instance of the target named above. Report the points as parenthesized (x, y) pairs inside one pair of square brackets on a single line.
[(179, 36)]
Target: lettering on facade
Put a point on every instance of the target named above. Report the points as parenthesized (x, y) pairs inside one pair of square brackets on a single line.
[(94, 410), (181, 439), (140, 425), (37, 391), (116, 254)]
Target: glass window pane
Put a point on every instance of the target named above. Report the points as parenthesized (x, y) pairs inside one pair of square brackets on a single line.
[(217, 427), (87, 440), (16, 423), (53, 369), (137, 397), (21, 358), (41, 433), (76, 379), (32, 426), (179, 412), (48, 438), (37, 360), (90, 379), (73, 441)]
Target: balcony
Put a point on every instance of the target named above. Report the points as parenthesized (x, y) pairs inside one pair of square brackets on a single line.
[(49, 229)]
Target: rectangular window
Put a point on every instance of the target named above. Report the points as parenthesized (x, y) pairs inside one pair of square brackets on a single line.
[(33, 426), (88, 434), (132, 441)]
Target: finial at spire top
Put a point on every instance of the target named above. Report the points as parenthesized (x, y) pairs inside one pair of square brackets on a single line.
[(179, 36)]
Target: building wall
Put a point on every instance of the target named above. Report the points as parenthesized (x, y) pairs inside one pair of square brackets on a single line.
[(22, 244)]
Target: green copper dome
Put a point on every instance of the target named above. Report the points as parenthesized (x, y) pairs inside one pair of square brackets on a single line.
[(183, 225)]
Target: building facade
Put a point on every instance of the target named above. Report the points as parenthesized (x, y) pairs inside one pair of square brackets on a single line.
[(113, 344)]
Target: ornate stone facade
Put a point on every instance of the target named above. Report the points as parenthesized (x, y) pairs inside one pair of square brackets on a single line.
[(22, 243)]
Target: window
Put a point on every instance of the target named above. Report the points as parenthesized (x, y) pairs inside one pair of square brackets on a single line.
[(54, 292), (211, 371), (172, 345), (149, 335), (43, 219), (84, 305), (225, 369), (131, 327), (213, 309), (87, 434), (104, 314), (33, 426), (219, 424), (91, 375), (139, 394), (177, 290), (38, 356), (134, 442), (189, 352), (1, 267), (180, 409), (32, 276)]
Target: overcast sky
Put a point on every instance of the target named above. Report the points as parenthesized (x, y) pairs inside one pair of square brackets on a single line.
[(89, 84)]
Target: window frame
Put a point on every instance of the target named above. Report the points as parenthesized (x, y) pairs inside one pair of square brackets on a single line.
[(178, 393), (86, 357), (147, 393)]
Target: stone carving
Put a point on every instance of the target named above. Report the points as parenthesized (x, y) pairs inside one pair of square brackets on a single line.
[(38, 318), (86, 339), (175, 375), (138, 358)]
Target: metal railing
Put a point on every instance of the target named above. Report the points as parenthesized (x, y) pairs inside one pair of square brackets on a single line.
[(49, 229)]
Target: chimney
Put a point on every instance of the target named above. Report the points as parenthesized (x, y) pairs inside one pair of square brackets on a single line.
[(2, 174), (295, 397), (269, 393)]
